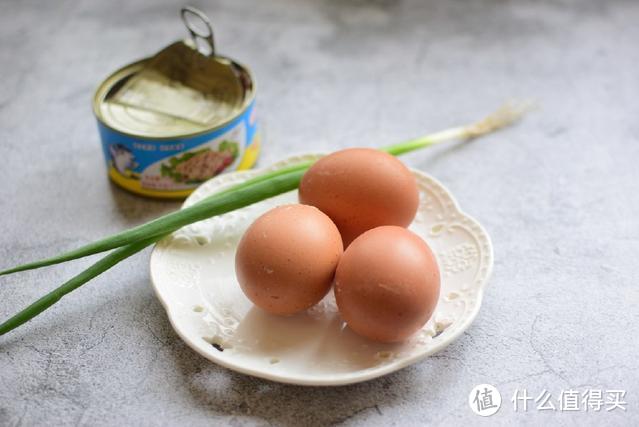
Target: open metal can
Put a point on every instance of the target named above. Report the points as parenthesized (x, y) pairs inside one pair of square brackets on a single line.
[(172, 121)]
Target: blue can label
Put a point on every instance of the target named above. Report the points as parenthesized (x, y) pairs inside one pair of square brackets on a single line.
[(174, 167)]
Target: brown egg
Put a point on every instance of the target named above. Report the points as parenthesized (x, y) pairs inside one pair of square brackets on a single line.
[(286, 260), (360, 189), (387, 284)]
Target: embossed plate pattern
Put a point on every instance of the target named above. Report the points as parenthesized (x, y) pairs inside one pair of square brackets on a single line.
[(192, 272)]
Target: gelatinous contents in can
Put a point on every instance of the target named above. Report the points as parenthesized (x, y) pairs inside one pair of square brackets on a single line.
[(178, 91), (181, 82)]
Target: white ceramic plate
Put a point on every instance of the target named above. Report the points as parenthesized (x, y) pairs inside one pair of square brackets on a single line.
[(193, 275)]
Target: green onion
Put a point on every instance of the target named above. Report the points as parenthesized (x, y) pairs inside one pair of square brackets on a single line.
[(266, 185), (238, 196), (52, 297)]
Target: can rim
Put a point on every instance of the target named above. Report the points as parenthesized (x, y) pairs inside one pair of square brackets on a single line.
[(106, 84)]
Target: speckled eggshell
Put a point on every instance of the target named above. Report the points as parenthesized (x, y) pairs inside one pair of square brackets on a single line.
[(360, 189), (286, 260), (387, 284)]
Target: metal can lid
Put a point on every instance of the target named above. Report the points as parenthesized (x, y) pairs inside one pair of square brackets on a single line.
[(180, 91)]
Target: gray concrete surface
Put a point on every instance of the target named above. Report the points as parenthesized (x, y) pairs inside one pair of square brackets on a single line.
[(558, 194)]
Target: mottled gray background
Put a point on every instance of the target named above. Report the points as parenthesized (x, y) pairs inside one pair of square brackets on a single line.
[(558, 194)]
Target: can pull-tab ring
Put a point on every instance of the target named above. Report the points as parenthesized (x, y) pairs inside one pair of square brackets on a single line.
[(200, 29)]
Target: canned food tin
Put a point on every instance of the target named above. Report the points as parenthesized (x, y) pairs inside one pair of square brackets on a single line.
[(170, 122)]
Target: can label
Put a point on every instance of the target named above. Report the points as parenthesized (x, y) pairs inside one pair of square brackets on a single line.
[(174, 167)]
